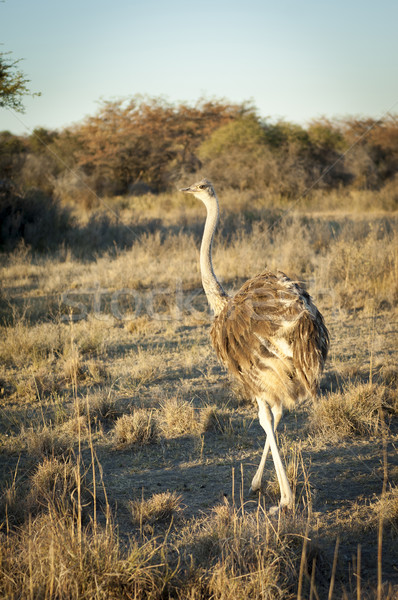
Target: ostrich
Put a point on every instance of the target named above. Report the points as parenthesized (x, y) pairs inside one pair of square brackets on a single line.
[(270, 336)]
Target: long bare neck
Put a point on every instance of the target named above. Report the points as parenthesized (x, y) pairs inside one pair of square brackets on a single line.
[(216, 296)]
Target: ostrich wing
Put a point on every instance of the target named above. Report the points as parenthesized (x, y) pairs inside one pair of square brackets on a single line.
[(272, 338)]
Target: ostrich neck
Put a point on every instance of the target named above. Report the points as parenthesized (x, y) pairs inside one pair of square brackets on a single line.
[(216, 296)]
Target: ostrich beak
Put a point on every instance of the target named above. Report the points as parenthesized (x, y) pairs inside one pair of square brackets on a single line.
[(186, 190)]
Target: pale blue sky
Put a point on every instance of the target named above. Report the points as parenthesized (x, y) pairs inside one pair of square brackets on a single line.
[(296, 59)]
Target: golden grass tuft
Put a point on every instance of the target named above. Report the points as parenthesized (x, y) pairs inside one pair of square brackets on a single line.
[(12, 503), (353, 412), (74, 427), (228, 554), (72, 367), (95, 371), (216, 420), (90, 336), (386, 508), (178, 417), (100, 406), (146, 368), (47, 441), (159, 507), (363, 272), (53, 483), (23, 343), (140, 326), (388, 374), (138, 428), (33, 383)]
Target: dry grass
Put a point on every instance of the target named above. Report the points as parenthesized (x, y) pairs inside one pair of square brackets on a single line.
[(47, 441), (51, 558), (214, 419), (234, 554), (53, 483), (23, 343), (224, 555), (354, 257), (354, 412), (386, 508), (159, 507), (72, 392), (138, 428), (364, 271), (178, 417), (100, 406)]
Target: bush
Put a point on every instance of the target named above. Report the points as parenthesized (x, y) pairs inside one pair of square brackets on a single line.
[(34, 218), (37, 171), (235, 155), (12, 154), (249, 154)]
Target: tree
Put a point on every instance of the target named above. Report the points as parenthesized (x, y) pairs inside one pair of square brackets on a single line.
[(375, 147), (147, 140), (245, 133), (12, 154), (13, 84)]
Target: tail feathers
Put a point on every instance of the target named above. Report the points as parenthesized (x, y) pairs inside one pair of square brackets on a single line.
[(310, 341)]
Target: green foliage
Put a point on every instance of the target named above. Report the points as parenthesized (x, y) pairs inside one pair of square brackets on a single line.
[(250, 154), (13, 84), (236, 155), (245, 133), (40, 139), (323, 134), (283, 134)]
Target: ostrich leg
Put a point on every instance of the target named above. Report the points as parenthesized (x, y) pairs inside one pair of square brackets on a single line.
[(266, 418), (256, 481)]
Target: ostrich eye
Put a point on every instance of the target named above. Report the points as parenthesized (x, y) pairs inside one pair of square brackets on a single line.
[(202, 187)]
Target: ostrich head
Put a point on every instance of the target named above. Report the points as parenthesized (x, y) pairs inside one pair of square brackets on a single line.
[(202, 189)]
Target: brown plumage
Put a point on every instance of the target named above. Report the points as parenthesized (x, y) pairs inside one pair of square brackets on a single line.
[(270, 336)]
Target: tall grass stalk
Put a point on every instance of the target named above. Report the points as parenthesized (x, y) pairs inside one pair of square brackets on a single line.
[(334, 568), (381, 515), (302, 563), (313, 591), (92, 454)]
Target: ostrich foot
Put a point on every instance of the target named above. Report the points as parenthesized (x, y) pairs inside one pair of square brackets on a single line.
[(274, 510), (255, 490)]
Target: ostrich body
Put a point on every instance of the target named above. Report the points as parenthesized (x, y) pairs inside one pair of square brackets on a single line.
[(270, 336)]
